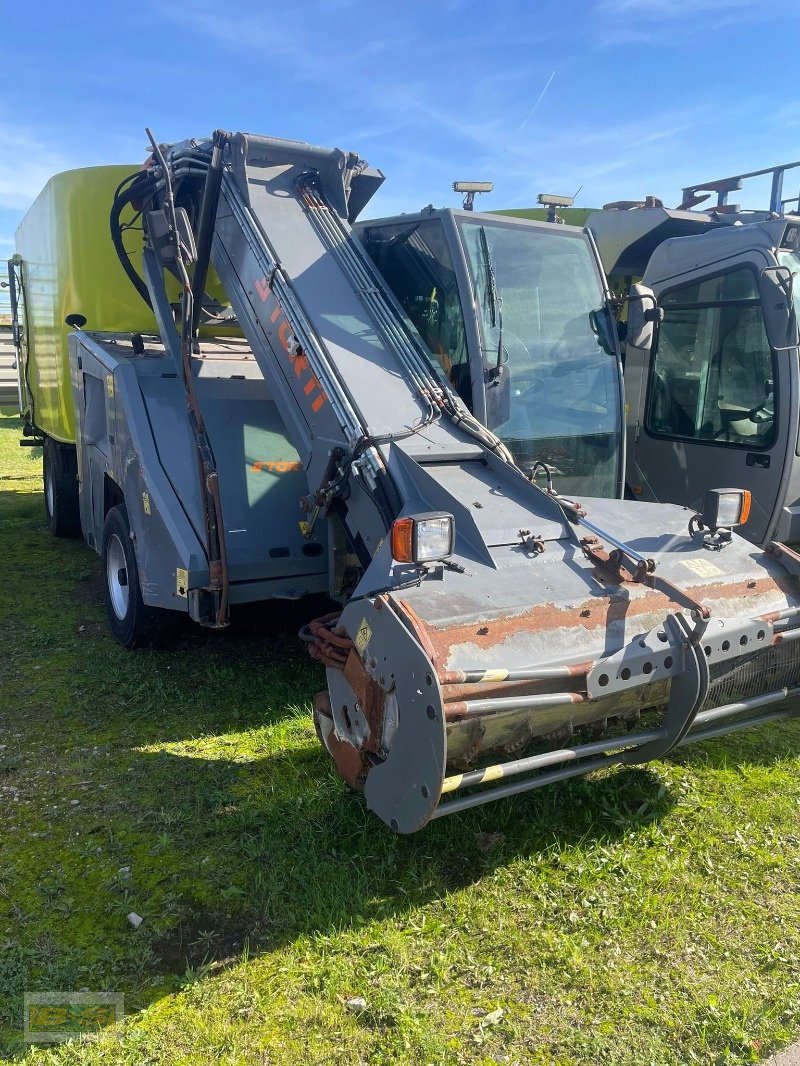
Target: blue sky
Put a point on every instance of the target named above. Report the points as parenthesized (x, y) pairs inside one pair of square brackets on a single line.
[(621, 97)]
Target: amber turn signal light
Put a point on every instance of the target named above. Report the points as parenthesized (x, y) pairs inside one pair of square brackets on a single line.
[(403, 540)]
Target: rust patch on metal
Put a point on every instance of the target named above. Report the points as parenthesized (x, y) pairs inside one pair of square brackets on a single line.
[(581, 669), (786, 556), (588, 616), (371, 699), (613, 569), (456, 693), (420, 630), (747, 587), (351, 765)]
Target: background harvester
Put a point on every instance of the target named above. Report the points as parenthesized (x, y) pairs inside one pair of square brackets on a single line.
[(711, 365), (491, 631)]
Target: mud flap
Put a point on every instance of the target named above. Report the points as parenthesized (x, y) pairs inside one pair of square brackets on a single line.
[(403, 788), (687, 695)]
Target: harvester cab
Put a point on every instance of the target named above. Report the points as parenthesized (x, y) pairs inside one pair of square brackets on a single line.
[(517, 317), (494, 635), (711, 360)]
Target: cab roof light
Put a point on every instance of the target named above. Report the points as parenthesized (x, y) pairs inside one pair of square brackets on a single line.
[(469, 189), (473, 186), (547, 199)]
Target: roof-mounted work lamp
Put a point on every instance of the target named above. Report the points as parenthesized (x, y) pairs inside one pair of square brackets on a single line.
[(551, 202), (470, 188)]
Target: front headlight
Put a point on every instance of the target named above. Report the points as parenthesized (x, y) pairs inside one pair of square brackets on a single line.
[(725, 507), (424, 538)]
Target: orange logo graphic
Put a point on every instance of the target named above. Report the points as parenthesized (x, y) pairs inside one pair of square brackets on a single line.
[(312, 387), (275, 466)]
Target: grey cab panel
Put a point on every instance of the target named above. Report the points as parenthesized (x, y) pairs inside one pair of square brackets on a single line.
[(711, 402)]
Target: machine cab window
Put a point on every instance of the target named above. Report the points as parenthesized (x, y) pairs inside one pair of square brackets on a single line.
[(542, 308), (713, 374), (415, 260)]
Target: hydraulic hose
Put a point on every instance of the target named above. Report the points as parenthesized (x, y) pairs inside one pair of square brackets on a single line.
[(141, 186), (205, 226)]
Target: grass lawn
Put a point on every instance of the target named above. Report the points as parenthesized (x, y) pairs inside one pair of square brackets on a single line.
[(643, 916)]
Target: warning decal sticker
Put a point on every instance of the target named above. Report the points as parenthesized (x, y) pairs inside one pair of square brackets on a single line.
[(362, 636), (702, 568)]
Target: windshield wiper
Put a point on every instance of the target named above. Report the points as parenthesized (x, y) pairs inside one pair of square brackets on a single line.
[(491, 284), (494, 299)]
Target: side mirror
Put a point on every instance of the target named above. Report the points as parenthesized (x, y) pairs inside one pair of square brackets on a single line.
[(780, 320), (643, 313), (498, 396), (604, 326), (75, 321)]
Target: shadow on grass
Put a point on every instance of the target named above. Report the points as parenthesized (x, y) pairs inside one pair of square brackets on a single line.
[(259, 855), (247, 850), (289, 851)]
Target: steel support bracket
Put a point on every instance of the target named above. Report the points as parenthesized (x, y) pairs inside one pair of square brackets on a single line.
[(688, 692), (787, 557)]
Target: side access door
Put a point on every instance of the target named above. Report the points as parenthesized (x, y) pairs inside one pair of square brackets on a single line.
[(711, 405)]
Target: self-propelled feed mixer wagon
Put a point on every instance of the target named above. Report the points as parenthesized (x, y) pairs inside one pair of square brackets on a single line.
[(493, 635)]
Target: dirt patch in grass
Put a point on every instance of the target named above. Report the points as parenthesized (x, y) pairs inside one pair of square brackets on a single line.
[(206, 939)]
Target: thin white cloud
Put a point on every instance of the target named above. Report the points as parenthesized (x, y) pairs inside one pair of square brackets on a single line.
[(293, 40), (666, 22), (672, 9), (27, 161)]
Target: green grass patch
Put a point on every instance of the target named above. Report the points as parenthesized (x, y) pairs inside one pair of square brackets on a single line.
[(646, 916)]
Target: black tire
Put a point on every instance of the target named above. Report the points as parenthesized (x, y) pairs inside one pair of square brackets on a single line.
[(132, 622), (61, 503)]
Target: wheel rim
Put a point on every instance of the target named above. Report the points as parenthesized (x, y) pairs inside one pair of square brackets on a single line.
[(117, 576), (49, 492)]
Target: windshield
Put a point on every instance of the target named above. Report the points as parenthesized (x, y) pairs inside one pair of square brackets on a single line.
[(556, 399)]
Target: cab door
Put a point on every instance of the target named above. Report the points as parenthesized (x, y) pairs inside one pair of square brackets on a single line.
[(717, 406)]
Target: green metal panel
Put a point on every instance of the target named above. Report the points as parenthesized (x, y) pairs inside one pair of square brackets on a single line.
[(573, 216), (70, 266)]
